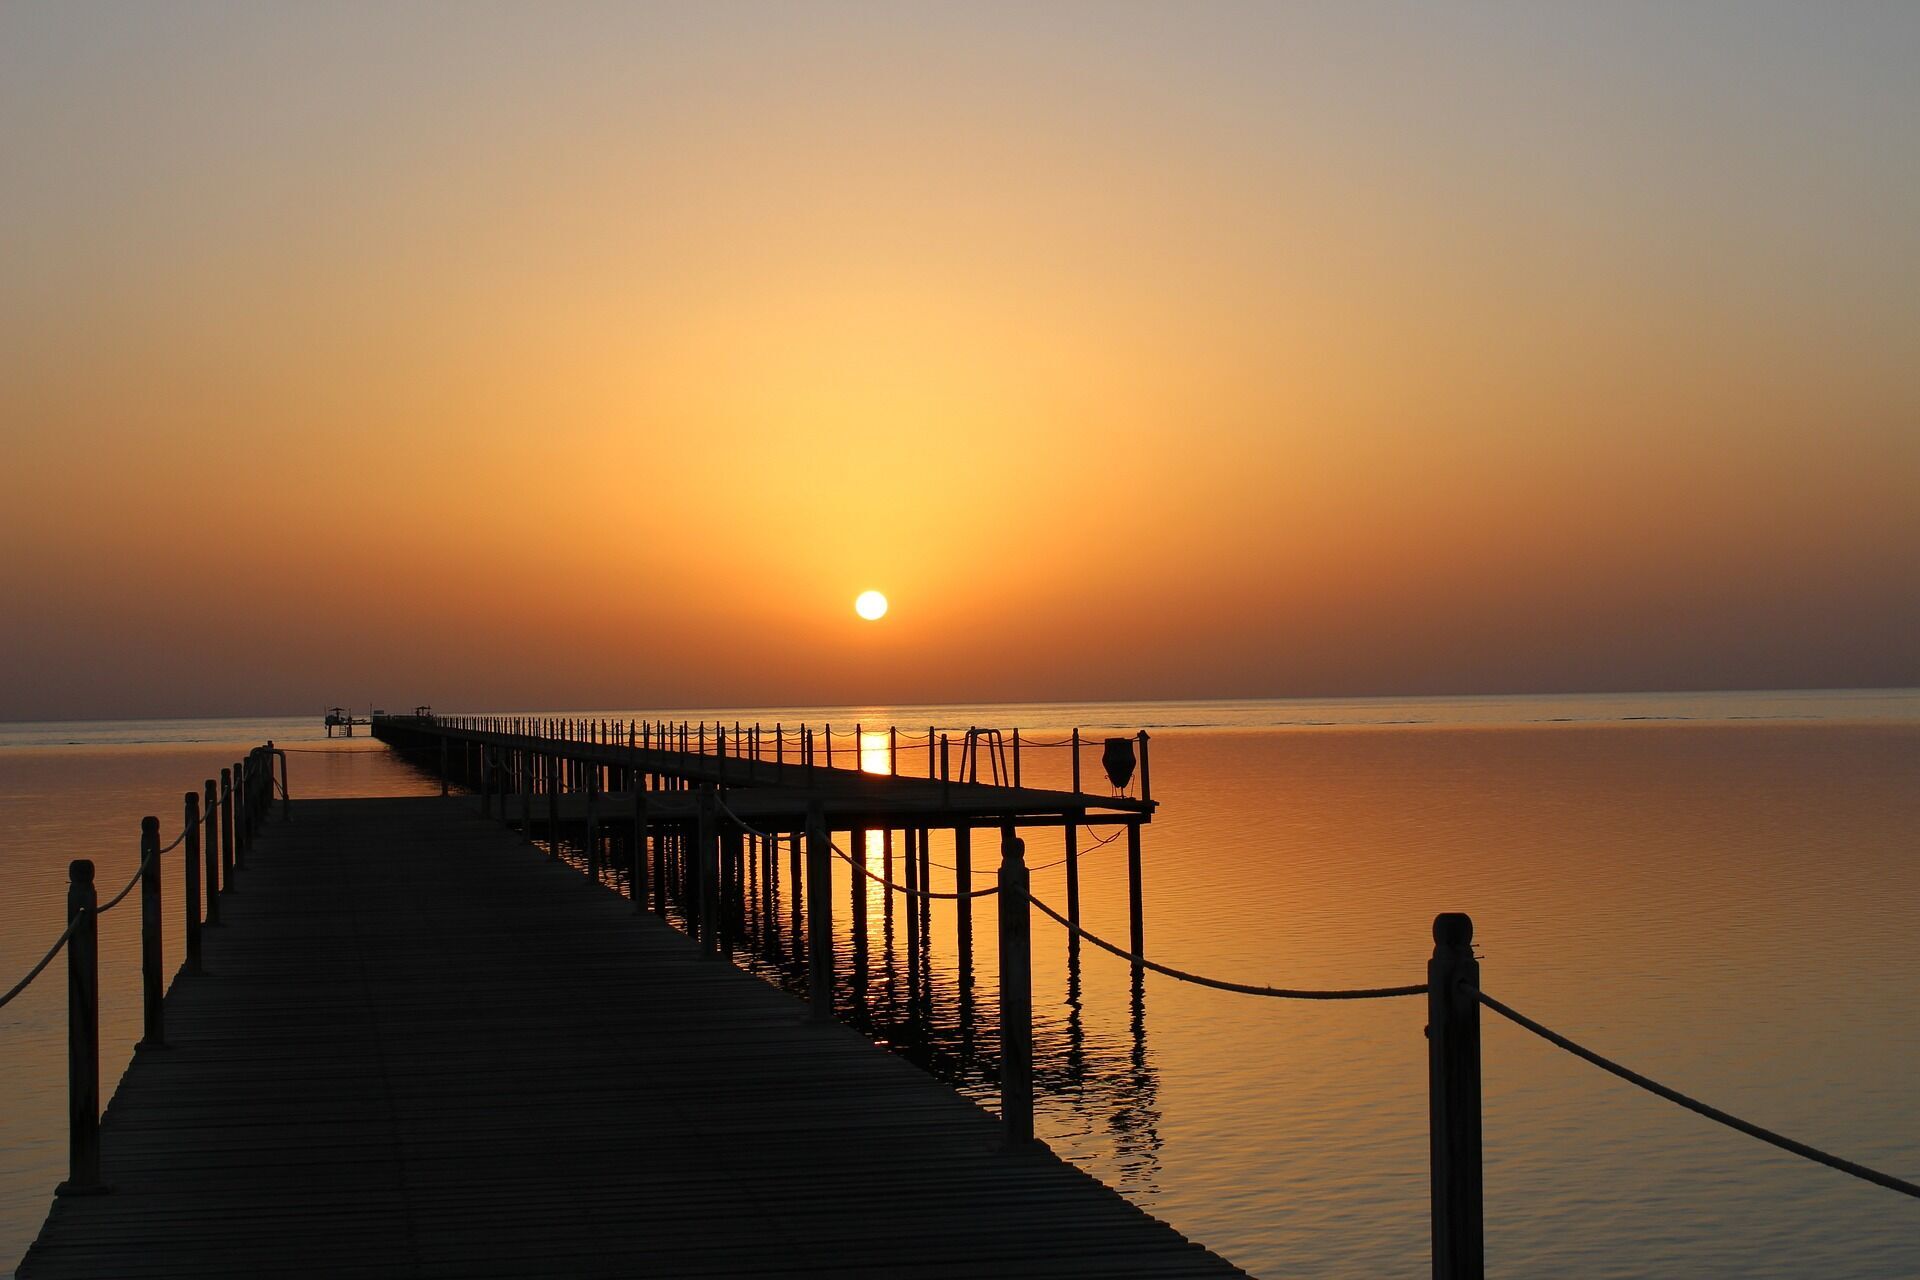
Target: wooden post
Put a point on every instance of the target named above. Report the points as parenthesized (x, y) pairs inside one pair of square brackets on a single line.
[(912, 874), (963, 905), (637, 874), (1016, 756), (210, 810), (926, 903), (794, 883), (1072, 833), (707, 853), (553, 806), (930, 753), (893, 750), (593, 822), (857, 881), (226, 831), (83, 1034), (238, 800), (190, 873), (730, 852), (819, 915), (286, 787), (152, 984), (946, 782), (1146, 777), (1453, 1092), (661, 876), (1135, 922), (1016, 994), (829, 746)]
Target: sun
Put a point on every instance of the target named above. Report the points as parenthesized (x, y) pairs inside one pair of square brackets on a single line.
[(871, 605)]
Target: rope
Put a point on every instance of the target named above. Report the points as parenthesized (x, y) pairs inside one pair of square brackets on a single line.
[(1095, 847), (911, 893), (45, 960), (861, 866), (200, 820), (1287, 993), (1752, 1130)]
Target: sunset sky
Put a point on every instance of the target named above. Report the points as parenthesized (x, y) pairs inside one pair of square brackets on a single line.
[(579, 355)]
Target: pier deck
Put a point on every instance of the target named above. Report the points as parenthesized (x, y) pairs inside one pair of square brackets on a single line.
[(423, 1049)]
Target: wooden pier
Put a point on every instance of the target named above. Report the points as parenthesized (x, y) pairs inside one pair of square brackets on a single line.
[(421, 1048), (414, 1045)]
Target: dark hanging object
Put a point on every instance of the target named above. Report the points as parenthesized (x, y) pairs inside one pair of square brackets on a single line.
[(1118, 759)]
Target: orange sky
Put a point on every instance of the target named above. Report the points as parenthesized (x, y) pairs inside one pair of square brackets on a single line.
[(601, 356)]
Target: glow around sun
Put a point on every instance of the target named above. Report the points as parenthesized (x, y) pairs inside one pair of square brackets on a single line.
[(871, 605)]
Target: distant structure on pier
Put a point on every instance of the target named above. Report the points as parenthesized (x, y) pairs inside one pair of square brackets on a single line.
[(344, 720)]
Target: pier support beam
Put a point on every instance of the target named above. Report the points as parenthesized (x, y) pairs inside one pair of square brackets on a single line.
[(1016, 994), (1135, 912), (819, 915)]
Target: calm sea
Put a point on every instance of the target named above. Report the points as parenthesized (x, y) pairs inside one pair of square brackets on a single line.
[(1721, 890)]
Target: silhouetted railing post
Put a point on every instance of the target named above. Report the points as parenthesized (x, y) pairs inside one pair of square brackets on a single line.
[(83, 1034), (1453, 1087), (211, 817), (226, 831), (1146, 778), (152, 985), (190, 874), (238, 799), (1016, 994), (286, 783), (819, 914)]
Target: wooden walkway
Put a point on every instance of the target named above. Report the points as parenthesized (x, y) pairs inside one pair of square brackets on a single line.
[(422, 1049)]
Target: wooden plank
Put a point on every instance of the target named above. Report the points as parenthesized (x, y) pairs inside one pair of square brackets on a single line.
[(422, 1048)]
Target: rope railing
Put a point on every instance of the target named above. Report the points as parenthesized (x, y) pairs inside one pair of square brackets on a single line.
[(234, 809), (1220, 984), (1694, 1105), (115, 901), (45, 960), (903, 889), (1098, 843)]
